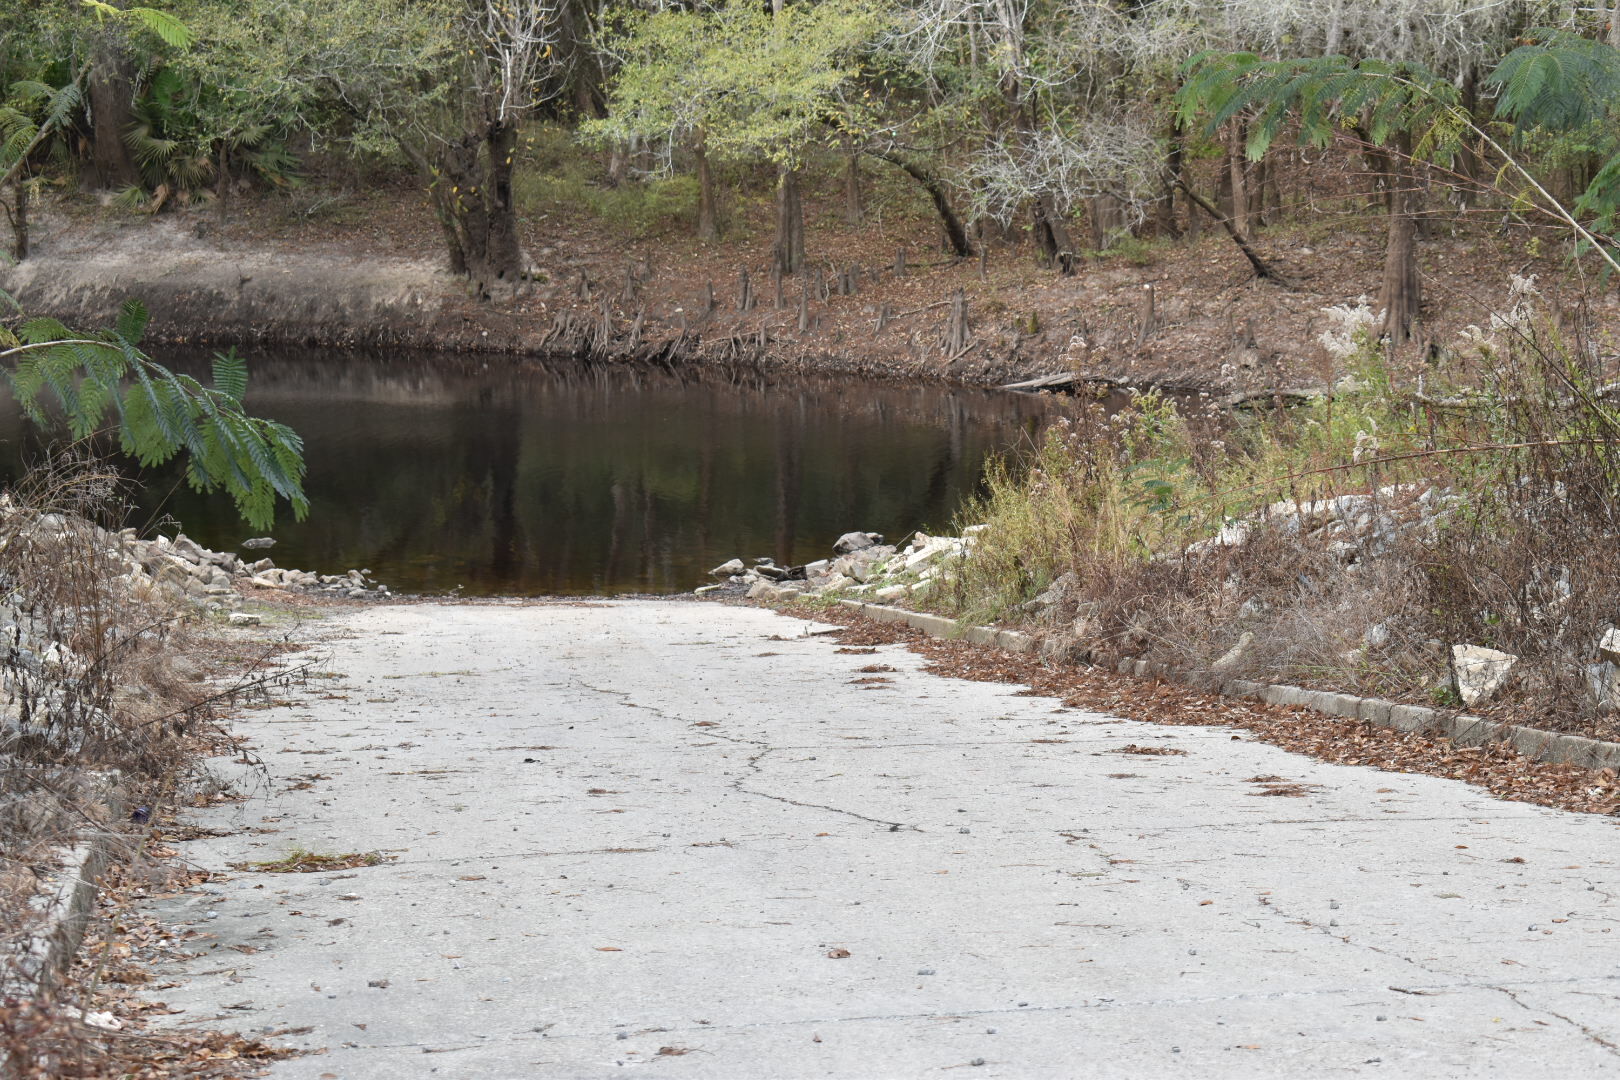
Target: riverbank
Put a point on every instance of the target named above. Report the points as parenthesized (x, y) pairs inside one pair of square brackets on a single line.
[(879, 301), (1428, 557)]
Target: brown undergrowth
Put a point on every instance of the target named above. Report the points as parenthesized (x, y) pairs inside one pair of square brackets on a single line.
[(1346, 543), (1497, 769), (109, 699)]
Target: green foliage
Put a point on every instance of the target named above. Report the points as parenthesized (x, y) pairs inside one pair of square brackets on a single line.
[(1567, 87), (170, 30), (101, 379), (744, 82), (364, 71), (1559, 82), (1322, 95)]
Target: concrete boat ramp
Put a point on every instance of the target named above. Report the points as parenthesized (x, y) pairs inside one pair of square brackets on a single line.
[(689, 840)]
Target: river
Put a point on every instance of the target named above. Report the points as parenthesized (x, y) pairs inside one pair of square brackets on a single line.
[(488, 477)]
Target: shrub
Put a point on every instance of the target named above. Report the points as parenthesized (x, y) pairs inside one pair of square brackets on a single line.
[(1345, 543)]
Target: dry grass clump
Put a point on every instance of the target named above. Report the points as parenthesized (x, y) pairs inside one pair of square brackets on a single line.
[(300, 861), (1347, 543)]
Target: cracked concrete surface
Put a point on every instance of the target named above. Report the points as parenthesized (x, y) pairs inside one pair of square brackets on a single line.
[(640, 835)]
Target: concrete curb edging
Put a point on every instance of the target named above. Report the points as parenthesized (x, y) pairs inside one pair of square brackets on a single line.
[(1461, 728), (68, 900)]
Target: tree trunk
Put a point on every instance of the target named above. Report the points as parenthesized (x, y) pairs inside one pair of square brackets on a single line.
[(1223, 185), (789, 247), (1259, 177), (955, 235), (1261, 268), (1110, 222), (111, 93), (854, 210), (708, 224), (19, 222), (1469, 160), (619, 158), (1165, 209), (1052, 240), (1402, 295), (1239, 163), (473, 200), (222, 180)]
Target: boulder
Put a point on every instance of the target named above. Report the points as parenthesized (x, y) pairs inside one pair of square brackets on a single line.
[(243, 618), (1230, 658), (1478, 672), (931, 551), (188, 549), (1609, 646), (1060, 593), (855, 541), (771, 592), (728, 568), (1603, 681)]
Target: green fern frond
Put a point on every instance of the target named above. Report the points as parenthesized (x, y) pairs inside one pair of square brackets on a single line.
[(132, 320), (230, 375)]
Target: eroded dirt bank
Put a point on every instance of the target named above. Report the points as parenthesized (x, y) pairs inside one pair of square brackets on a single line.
[(1187, 315), (203, 292)]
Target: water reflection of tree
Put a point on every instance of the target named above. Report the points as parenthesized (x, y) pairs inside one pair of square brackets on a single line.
[(584, 480)]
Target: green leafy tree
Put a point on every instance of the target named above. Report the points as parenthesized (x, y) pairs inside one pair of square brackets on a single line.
[(1400, 105), (744, 82), (445, 83), (47, 55), (1568, 85)]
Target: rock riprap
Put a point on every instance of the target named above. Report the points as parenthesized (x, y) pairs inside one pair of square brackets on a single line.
[(862, 564), (185, 569)]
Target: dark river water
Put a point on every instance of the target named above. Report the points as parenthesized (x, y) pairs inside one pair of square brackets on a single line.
[(438, 475)]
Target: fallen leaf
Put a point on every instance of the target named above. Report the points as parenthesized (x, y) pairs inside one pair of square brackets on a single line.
[(608, 948)]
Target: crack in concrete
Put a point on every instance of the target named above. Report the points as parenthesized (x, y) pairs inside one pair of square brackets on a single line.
[(1576, 1024), (628, 703), (753, 763), (1097, 1004)]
